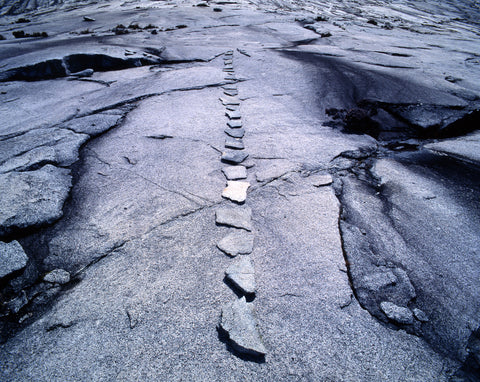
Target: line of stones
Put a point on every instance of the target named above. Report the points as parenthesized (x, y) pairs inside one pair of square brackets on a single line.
[(237, 318)]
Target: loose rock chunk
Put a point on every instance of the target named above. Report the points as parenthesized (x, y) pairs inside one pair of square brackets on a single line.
[(236, 243), (239, 217)]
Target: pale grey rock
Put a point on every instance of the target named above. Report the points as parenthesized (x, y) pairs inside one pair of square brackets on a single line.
[(94, 124), (234, 143), (378, 280), (234, 123), (239, 322), (32, 198), (321, 180), (229, 101), (235, 172), (83, 73), (236, 191), (235, 133), (59, 276), (236, 243), (420, 315), (233, 114), (465, 148), (397, 313), (239, 217), (235, 157), (242, 275), (12, 258)]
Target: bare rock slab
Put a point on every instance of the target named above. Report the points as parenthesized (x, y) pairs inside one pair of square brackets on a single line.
[(235, 172), (242, 275), (239, 322), (234, 143), (236, 243), (235, 133), (234, 157), (239, 217), (236, 191), (12, 258), (397, 313), (32, 198)]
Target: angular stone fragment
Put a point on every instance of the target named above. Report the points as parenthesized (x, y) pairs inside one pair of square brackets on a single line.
[(236, 243), (240, 217), (236, 191), (229, 101), (32, 198), (235, 172), (12, 258), (242, 275), (235, 133), (234, 123), (59, 276), (235, 157), (231, 93), (234, 143), (420, 315), (232, 107), (321, 180), (239, 322), (397, 313), (233, 114)]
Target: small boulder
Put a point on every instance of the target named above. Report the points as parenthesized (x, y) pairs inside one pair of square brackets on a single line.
[(58, 276)]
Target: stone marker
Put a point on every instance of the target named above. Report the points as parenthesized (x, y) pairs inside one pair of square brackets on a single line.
[(59, 276), (234, 123), (236, 243), (12, 258), (397, 313), (239, 322), (236, 133), (235, 172), (236, 191), (242, 275), (234, 156), (233, 114), (234, 143), (239, 217)]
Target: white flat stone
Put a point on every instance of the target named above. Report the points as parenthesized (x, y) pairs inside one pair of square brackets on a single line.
[(236, 191)]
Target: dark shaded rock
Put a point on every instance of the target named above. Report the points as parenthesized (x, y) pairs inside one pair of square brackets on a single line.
[(234, 123), (238, 321), (32, 198), (18, 303), (236, 243), (240, 217), (234, 157), (12, 258), (235, 133)]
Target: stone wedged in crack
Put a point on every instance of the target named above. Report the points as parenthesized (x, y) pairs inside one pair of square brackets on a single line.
[(58, 276), (12, 258), (420, 315), (233, 114), (321, 180), (94, 124), (240, 217), (235, 133), (234, 123), (236, 243), (234, 143), (236, 191), (235, 172), (32, 198), (242, 275), (239, 322), (397, 313), (234, 156)]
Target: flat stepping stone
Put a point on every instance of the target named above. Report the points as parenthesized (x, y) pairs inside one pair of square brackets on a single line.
[(236, 191), (233, 114), (234, 123), (239, 322), (229, 101), (12, 258), (321, 180), (242, 275), (238, 217), (234, 156), (235, 172), (232, 107), (237, 243), (234, 143), (235, 133), (231, 93), (396, 313), (230, 70)]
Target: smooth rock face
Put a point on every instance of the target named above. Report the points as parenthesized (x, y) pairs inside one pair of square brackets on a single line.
[(235, 157), (235, 133), (397, 313), (59, 276), (32, 198), (242, 275), (240, 217), (12, 258), (236, 243), (239, 322), (236, 191), (235, 172), (234, 143)]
